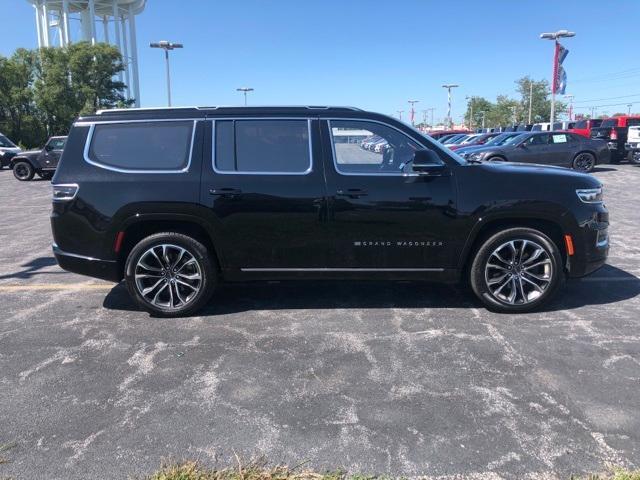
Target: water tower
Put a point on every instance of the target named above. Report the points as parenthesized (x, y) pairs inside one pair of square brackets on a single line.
[(60, 22)]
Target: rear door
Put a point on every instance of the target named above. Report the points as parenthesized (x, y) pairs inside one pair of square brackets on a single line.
[(264, 184)]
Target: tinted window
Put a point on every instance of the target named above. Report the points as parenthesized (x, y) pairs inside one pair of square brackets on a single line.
[(631, 122), (57, 144), (5, 142), (611, 122), (267, 146), (389, 155), (538, 140), (581, 124), (143, 145)]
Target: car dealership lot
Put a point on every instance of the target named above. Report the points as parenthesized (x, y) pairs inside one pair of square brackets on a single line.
[(399, 378)]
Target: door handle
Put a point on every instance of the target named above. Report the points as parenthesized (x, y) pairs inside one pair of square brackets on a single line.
[(225, 192), (351, 193)]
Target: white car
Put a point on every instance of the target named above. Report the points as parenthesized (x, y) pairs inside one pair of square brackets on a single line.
[(633, 143), (8, 150), (541, 127)]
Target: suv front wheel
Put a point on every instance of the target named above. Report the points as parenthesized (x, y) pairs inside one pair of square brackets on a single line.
[(170, 274), (517, 270)]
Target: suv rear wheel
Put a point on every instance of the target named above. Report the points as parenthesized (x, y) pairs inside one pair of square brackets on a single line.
[(517, 270), (23, 171), (170, 274)]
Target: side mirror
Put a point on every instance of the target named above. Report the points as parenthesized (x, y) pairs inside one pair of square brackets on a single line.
[(427, 162)]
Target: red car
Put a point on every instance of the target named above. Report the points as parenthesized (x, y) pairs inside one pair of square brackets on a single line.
[(583, 127), (441, 133)]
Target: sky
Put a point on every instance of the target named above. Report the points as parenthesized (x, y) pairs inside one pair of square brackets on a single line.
[(373, 54)]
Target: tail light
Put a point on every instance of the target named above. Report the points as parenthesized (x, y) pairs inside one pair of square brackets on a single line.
[(64, 192), (614, 134)]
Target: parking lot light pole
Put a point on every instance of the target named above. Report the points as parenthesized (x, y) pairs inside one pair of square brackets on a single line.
[(413, 112), (166, 46), (555, 36), (245, 90), (449, 86)]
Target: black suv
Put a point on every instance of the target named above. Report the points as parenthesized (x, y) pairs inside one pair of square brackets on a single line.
[(42, 162), (177, 200)]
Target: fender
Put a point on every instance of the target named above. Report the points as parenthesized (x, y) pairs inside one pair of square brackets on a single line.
[(522, 213), (32, 159)]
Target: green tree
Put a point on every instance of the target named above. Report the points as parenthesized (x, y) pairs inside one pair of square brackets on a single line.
[(477, 105), (19, 117), (540, 100)]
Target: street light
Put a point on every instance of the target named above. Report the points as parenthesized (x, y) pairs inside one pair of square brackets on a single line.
[(555, 36), (449, 86), (166, 46), (413, 112), (245, 90)]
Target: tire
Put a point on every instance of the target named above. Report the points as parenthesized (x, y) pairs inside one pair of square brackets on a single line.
[(584, 162), (545, 270), (496, 158), (174, 294), (635, 158), (23, 171)]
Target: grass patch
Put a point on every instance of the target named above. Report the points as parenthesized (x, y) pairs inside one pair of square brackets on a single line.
[(258, 470), (255, 470), (3, 448), (615, 474)]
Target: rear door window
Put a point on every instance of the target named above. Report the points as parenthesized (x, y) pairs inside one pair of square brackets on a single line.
[(269, 146), (154, 146)]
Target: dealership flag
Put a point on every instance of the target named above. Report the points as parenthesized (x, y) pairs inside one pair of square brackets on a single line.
[(559, 75)]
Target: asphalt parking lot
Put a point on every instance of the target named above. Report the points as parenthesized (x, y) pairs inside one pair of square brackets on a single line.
[(399, 378)]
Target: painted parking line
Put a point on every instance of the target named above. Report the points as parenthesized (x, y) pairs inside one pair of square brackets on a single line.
[(56, 286)]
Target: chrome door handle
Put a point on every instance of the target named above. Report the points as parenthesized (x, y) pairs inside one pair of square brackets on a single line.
[(225, 192), (351, 193)]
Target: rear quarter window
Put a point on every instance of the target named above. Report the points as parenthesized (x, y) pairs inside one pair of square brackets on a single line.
[(142, 146)]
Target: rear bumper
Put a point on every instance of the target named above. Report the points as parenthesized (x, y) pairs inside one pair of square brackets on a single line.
[(92, 267)]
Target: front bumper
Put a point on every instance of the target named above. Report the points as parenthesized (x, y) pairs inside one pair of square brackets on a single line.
[(591, 245), (92, 267)]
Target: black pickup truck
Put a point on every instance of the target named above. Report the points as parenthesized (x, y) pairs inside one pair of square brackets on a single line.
[(614, 131), (43, 162)]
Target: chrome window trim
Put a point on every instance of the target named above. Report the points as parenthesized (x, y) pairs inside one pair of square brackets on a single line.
[(241, 172), (366, 174), (87, 144)]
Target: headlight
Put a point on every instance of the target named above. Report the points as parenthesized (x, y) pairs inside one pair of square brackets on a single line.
[(590, 195), (474, 156)]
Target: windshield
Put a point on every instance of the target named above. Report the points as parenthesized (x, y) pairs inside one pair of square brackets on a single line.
[(5, 142), (611, 122)]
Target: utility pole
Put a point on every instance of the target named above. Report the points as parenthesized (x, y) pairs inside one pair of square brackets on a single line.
[(629, 105), (470, 112), (245, 90), (570, 97), (413, 112), (400, 114), (555, 36), (166, 46), (530, 100), (449, 86)]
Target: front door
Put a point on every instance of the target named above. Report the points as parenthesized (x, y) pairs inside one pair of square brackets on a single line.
[(383, 216), (265, 187), (52, 152)]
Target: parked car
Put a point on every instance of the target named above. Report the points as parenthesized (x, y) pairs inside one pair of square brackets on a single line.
[(8, 150), (176, 201), (561, 149), (476, 141), (438, 134), (499, 139), (565, 125), (633, 144), (454, 138), (541, 127), (583, 127), (42, 162), (524, 128), (614, 132)]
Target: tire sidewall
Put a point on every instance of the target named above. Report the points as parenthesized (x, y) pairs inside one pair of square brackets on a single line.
[(26, 165), (200, 253), (590, 169), (477, 272)]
